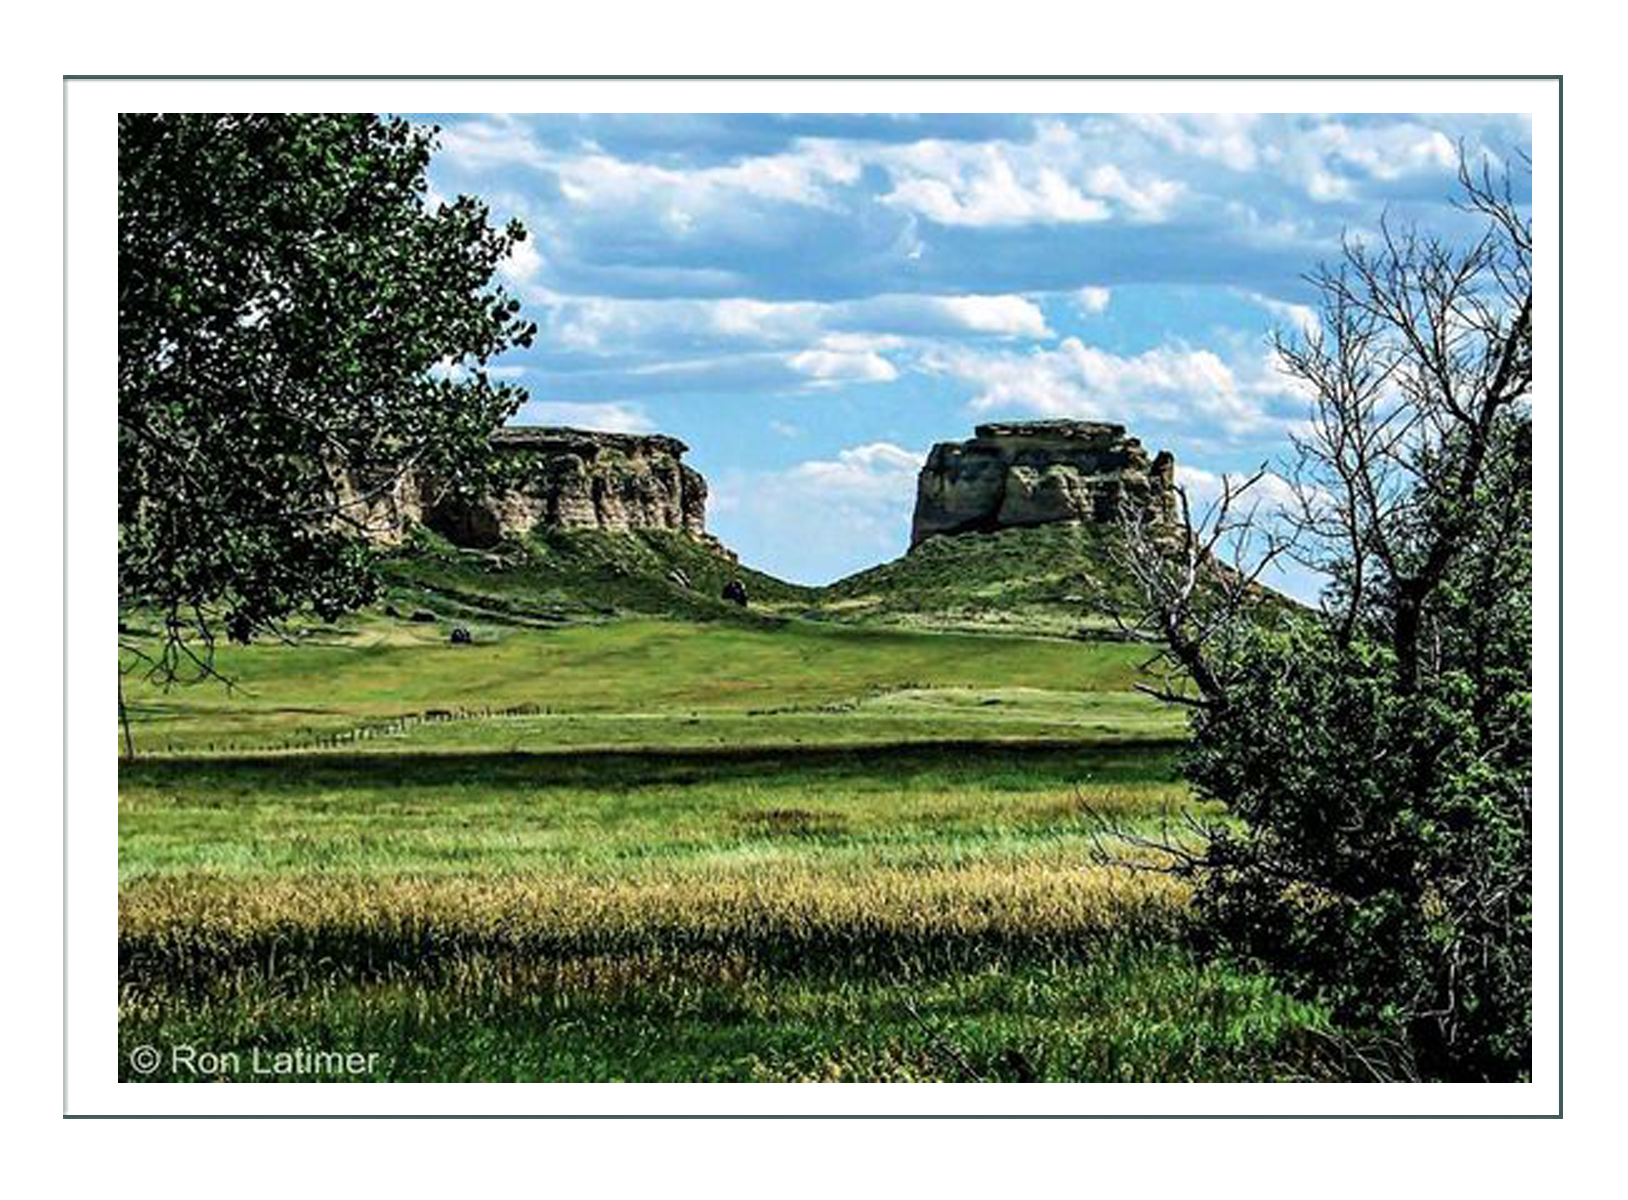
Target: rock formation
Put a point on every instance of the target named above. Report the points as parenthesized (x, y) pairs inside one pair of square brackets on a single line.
[(562, 479), (1016, 473)]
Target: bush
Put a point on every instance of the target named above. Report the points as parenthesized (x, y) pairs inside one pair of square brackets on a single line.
[(1382, 860), (1375, 757)]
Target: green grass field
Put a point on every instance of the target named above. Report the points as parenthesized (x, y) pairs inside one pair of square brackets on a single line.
[(744, 849), (650, 682)]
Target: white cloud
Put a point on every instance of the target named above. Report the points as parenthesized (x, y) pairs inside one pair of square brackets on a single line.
[(1060, 177), (822, 518), (871, 472), (607, 417), (994, 195), (1226, 138), (1301, 318), (1150, 200), (523, 262), (829, 367), (1002, 316), (1008, 315), (1167, 383), (1092, 300), (804, 176), (1271, 491), (599, 324), (1331, 158), (495, 142), (678, 196)]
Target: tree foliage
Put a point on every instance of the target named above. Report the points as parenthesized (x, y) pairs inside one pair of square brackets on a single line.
[(1375, 758), (299, 324), (1382, 859)]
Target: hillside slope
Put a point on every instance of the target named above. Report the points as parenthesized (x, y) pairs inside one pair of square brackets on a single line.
[(569, 576), (1056, 579)]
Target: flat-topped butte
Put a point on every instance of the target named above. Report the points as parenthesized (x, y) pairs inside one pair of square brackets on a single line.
[(1024, 473), (564, 479)]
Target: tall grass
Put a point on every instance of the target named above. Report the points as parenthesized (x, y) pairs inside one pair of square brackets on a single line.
[(743, 852)]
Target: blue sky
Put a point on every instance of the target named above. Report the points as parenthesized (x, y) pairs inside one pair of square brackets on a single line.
[(811, 301)]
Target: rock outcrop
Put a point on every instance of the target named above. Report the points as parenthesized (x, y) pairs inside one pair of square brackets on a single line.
[(561, 479), (1015, 473)]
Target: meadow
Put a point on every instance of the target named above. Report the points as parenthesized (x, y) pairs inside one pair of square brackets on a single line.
[(671, 850)]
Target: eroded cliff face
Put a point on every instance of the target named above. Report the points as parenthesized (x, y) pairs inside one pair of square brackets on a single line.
[(1018, 473), (562, 479)]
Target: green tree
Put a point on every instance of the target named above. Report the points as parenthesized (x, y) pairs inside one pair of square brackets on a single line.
[(1375, 758), (299, 324)]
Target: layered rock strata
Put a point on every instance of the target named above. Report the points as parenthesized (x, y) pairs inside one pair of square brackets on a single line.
[(1020, 473), (561, 479)]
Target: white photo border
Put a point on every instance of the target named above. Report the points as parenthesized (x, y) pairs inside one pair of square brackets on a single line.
[(90, 796)]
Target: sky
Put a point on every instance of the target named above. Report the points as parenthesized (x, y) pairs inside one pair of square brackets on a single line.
[(811, 301)]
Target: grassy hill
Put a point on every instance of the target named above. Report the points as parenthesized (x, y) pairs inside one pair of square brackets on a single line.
[(560, 577), (1056, 579)]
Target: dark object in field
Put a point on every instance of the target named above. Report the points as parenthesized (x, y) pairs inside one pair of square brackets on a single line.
[(735, 591), (422, 616), (460, 636), (795, 822), (390, 610)]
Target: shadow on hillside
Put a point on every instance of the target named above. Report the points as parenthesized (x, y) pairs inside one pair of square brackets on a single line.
[(1103, 761)]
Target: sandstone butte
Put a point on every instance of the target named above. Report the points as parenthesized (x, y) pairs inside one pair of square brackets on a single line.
[(1020, 473), (1010, 474), (563, 479)]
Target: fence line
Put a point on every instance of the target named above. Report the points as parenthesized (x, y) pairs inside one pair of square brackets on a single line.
[(354, 735)]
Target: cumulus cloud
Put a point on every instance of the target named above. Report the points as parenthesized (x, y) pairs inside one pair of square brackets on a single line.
[(992, 194), (823, 518), (585, 175), (724, 204), (597, 323), (1167, 383), (869, 472), (1092, 300), (607, 417), (1001, 316), (1299, 318), (1203, 487), (478, 143), (1057, 177), (1226, 138), (523, 262), (1334, 160), (829, 367)]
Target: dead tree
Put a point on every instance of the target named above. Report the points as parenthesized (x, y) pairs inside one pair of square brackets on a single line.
[(1419, 372), (1421, 349), (1195, 581)]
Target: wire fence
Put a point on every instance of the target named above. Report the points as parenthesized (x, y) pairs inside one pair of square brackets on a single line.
[(307, 740)]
